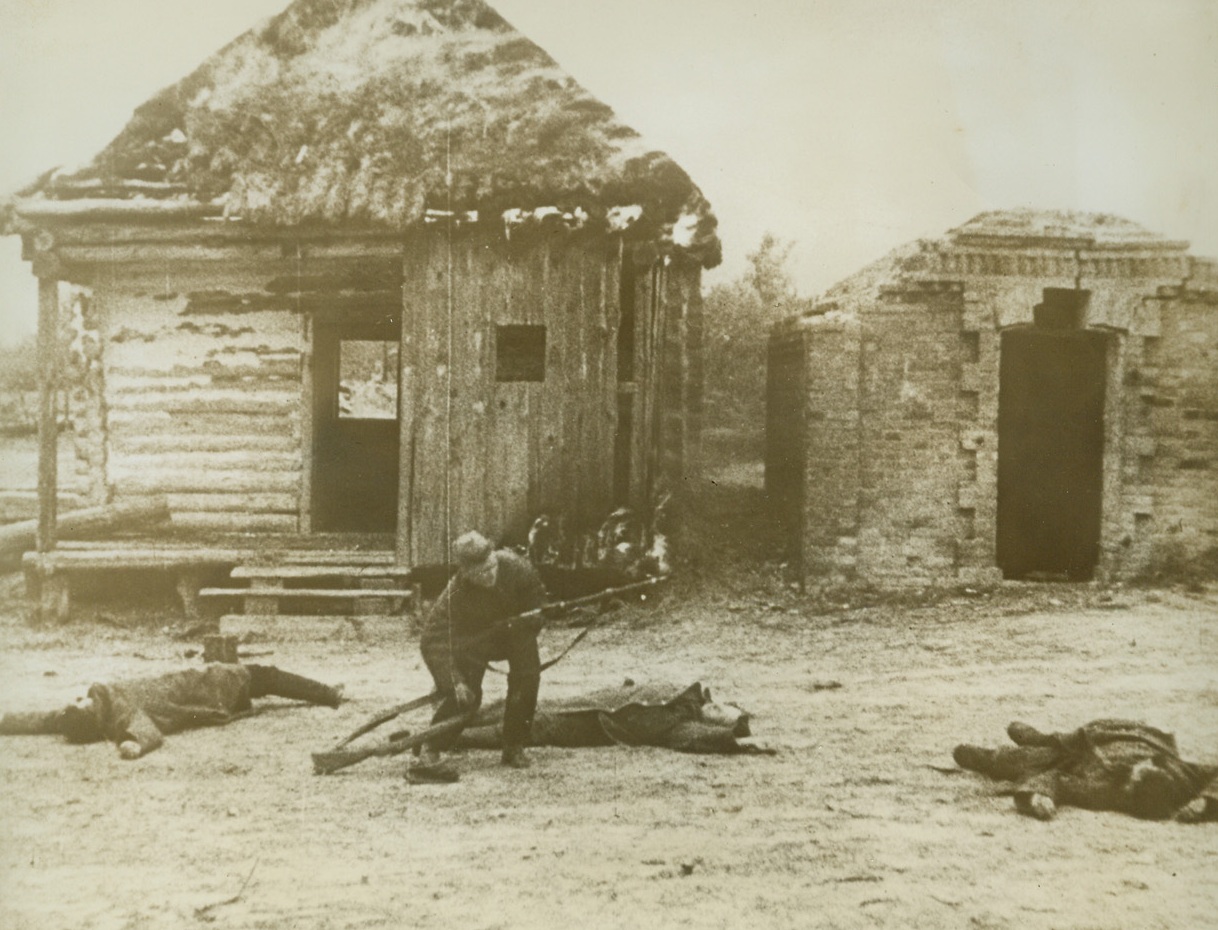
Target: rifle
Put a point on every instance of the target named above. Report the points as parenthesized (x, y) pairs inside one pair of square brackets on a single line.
[(558, 607), (386, 715), (325, 763)]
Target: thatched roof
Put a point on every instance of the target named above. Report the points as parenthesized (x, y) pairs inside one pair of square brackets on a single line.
[(371, 112)]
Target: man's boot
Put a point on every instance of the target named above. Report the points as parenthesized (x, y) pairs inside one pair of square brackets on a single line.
[(1008, 763), (268, 681), (1024, 734), (430, 769), (516, 758)]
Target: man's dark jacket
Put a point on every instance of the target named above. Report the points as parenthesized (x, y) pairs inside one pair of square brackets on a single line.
[(1117, 765)]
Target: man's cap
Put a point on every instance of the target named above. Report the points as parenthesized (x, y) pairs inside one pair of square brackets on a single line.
[(472, 551)]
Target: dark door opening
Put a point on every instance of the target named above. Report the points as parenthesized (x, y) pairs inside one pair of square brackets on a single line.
[(356, 417), (1050, 452)]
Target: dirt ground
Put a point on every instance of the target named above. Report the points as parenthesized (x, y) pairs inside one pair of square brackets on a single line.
[(852, 824)]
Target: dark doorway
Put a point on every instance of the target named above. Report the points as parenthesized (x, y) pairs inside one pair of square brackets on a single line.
[(1050, 452), (356, 417)]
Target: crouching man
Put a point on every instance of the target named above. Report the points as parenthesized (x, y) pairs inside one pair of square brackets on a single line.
[(1112, 765), (464, 630), (137, 715)]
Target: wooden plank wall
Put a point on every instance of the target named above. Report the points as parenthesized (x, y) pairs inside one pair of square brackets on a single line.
[(669, 393), (682, 378), (503, 453)]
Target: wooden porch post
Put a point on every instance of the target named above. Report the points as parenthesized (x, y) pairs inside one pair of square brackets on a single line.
[(405, 551), (51, 590), (48, 425)]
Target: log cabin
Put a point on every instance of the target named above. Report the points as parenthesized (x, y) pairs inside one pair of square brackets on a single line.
[(376, 273), (1033, 395)]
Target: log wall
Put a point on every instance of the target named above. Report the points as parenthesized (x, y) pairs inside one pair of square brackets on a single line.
[(204, 408), (204, 372)]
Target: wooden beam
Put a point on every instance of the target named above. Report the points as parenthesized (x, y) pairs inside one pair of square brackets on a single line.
[(16, 538), (291, 242), (307, 400), (48, 421), (86, 209), (158, 253), (338, 303)]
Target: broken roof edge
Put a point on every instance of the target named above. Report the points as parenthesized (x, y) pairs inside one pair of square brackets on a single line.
[(1028, 227), (1074, 234), (691, 235)]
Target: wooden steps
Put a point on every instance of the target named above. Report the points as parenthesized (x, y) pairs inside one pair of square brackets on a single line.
[(251, 628), (360, 569), (333, 570), (319, 593), (296, 589)]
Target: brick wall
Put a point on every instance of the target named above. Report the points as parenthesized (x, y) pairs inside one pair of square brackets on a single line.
[(832, 445), (898, 409), (1172, 458)]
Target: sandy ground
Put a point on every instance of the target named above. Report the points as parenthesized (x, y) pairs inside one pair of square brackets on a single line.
[(850, 825)]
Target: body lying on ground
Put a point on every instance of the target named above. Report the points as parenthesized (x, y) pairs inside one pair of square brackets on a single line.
[(631, 715), (1114, 765), (138, 714)]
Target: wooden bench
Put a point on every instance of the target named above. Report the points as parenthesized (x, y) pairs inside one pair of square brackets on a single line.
[(372, 571), (257, 573), (377, 588), (251, 628), (264, 600), (47, 574)]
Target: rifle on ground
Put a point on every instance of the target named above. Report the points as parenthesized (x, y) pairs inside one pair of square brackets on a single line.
[(386, 715), (325, 763)]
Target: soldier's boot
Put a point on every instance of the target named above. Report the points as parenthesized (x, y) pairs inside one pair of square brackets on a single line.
[(429, 769), (1024, 734), (518, 724), (268, 681), (973, 758), (515, 757), (993, 763), (1010, 763)]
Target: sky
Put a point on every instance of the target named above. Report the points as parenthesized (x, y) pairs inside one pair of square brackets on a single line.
[(845, 127)]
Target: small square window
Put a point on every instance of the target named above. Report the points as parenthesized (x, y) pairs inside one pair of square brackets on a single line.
[(520, 353)]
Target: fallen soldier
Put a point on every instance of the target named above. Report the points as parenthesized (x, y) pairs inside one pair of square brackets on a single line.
[(137, 715), (1106, 765), (631, 715)]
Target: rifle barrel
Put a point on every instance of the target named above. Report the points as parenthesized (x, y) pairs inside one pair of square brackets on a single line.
[(327, 763)]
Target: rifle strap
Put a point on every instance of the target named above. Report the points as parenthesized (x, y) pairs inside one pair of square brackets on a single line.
[(386, 716), (571, 645), (550, 663)]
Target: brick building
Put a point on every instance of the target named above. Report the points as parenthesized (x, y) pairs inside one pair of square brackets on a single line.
[(1033, 395)]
